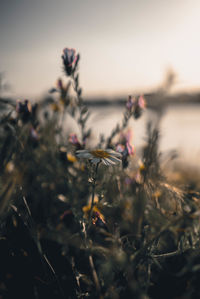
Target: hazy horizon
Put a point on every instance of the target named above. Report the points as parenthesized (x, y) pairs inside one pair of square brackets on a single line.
[(125, 47)]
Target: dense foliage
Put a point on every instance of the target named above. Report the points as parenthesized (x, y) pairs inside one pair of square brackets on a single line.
[(70, 229)]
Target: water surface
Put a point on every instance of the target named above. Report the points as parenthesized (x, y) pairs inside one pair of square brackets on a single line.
[(179, 128)]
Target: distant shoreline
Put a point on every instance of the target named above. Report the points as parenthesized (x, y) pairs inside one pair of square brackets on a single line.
[(155, 101)]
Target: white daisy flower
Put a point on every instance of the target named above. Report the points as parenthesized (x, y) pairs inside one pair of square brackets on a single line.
[(107, 156)]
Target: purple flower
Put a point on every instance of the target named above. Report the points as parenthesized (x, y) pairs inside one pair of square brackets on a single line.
[(124, 145), (73, 139), (136, 106), (141, 102), (120, 148), (139, 107), (131, 102), (69, 59), (129, 148), (125, 150)]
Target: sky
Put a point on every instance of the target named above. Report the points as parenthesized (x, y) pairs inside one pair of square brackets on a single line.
[(125, 46)]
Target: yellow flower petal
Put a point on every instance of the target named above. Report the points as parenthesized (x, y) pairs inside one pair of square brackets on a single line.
[(71, 158)]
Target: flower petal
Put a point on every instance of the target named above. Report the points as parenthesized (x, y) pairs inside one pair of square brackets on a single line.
[(96, 160), (106, 162), (113, 153), (83, 154), (114, 159), (69, 56), (110, 161)]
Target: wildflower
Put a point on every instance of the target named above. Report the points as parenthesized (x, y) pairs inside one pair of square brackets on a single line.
[(124, 145), (86, 209), (69, 59), (140, 105), (129, 148), (130, 102), (136, 106), (120, 148), (24, 109), (124, 152), (107, 156), (73, 139), (71, 158), (141, 102), (125, 148), (95, 209)]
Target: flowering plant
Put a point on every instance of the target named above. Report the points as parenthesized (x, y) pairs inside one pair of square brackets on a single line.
[(71, 227), (69, 60)]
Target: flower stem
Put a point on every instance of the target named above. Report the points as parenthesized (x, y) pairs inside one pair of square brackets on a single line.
[(80, 105), (91, 263), (93, 188)]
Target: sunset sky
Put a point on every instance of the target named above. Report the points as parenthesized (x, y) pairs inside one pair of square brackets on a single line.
[(125, 46)]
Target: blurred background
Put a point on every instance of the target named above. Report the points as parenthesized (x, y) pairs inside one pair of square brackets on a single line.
[(126, 47)]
